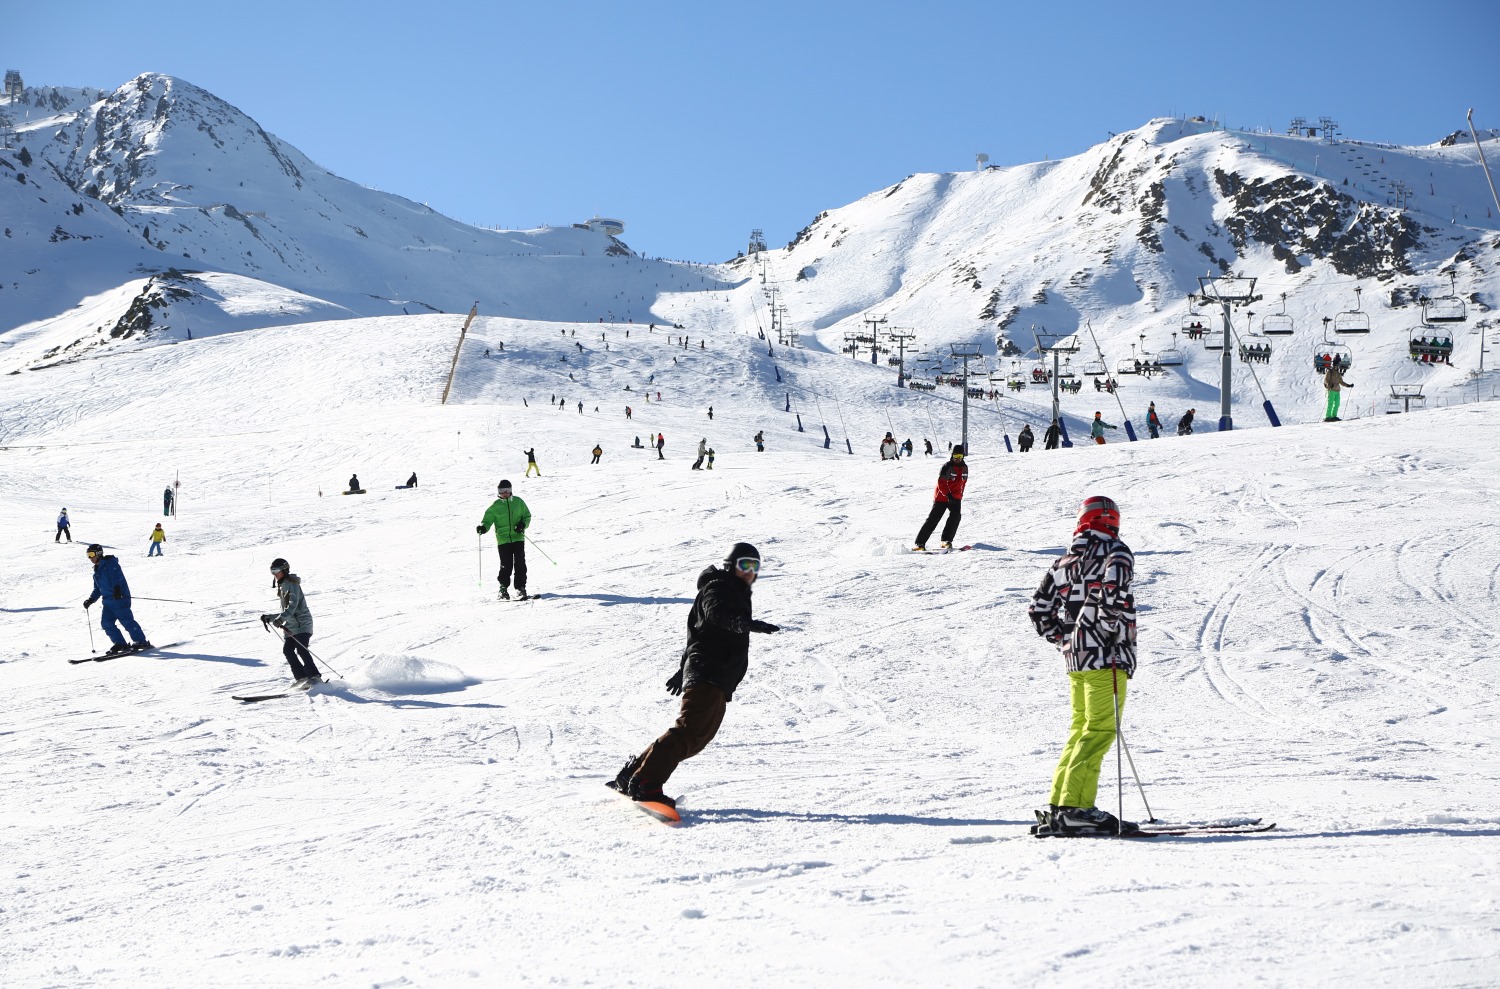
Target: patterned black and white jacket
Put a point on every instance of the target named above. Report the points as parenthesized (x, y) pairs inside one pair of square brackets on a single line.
[(1084, 605)]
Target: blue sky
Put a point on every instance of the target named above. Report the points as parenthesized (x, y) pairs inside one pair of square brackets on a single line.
[(695, 123)]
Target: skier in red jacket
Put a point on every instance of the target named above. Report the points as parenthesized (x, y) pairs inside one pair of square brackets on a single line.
[(947, 498)]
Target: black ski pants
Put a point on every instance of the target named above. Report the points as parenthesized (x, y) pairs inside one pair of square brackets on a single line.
[(698, 721), (297, 656), (950, 527), (512, 560)]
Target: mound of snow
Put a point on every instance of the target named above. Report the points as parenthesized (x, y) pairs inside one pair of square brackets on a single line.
[(414, 675)]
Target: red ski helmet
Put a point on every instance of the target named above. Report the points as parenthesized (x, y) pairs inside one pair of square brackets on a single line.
[(1100, 514)]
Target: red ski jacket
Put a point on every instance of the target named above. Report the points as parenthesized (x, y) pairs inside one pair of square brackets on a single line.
[(951, 481)]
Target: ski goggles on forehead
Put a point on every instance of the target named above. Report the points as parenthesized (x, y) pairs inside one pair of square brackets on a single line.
[(749, 564)]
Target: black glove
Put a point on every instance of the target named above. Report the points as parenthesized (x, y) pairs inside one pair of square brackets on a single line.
[(520, 526), (89, 602), (267, 619), (118, 595), (279, 623), (479, 529), (674, 685), (767, 627)]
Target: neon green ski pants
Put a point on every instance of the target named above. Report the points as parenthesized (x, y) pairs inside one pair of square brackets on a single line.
[(1333, 405), (1092, 731)]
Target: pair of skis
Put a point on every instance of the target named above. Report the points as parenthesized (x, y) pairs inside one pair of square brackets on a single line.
[(1228, 826), (120, 655), (296, 690)]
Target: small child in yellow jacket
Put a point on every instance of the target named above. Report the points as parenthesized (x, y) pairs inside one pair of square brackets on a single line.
[(157, 538)]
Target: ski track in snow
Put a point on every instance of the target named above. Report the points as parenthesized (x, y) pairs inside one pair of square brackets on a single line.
[(1316, 629)]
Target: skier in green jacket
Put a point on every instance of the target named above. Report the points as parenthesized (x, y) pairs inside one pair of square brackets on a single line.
[(510, 517)]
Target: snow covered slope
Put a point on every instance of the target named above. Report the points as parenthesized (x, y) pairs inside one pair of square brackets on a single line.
[(140, 203), (1317, 630)]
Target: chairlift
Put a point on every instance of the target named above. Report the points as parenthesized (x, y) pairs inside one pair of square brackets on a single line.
[(1352, 320), (1065, 373), (1094, 368), (1430, 345), (1255, 348), (1331, 352), (1446, 308), (1171, 357), (1126, 365), (1278, 324), (1213, 340)]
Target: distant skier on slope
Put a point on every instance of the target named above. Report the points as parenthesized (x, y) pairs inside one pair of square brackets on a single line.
[(110, 586), (157, 538), (296, 624), (1084, 606), (1097, 428), (1153, 423), (531, 461), (1185, 424), (1026, 438), (714, 662), (888, 448), (64, 527), (1049, 438), (947, 497)]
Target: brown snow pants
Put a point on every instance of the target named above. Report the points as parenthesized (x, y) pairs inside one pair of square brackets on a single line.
[(697, 723)]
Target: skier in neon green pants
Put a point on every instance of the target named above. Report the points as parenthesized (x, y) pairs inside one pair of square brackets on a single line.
[(1333, 380), (1084, 606)]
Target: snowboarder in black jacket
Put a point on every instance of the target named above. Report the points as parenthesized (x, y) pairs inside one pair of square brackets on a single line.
[(714, 662)]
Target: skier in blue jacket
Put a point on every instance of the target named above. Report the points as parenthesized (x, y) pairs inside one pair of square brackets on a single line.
[(110, 586)]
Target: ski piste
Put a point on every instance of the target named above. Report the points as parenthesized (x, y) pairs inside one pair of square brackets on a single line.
[(665, 813), (120, 655)]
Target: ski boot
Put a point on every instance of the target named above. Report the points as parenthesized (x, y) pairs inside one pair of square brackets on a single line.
[(504, 594), (521, 595), (643, 792), (118, 649), (1085, 821), (621, 782), (141, 646)]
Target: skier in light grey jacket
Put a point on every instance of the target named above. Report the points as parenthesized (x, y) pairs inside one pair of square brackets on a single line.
[(295, 622)]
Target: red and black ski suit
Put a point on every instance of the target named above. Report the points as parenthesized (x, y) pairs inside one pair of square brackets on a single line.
[(948, 497)]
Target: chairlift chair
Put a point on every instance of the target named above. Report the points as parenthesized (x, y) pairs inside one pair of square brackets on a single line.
[(1430, 345), (1171, 357), (1213, 340), (1334, 352), (1446, 308), (1277, 325), (1094, 369), (1352, 320), (1126, 365)]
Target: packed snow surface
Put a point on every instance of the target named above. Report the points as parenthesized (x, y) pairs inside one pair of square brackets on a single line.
[(1317, 627)]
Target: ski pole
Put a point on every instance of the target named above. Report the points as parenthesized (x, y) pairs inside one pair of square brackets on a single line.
[(1114, 679), (168, 600), (88, 620), (480, 538), (1150, 817), (539, 549)]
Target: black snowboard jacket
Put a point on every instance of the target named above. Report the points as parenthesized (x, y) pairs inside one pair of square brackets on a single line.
[(718, 632)]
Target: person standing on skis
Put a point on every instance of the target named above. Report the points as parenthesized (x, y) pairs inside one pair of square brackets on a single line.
[(714, 662), (510, 518), (64, 527), (110, 586), (1153, 422), (948, 497), (295, 622), (1084, 606)]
